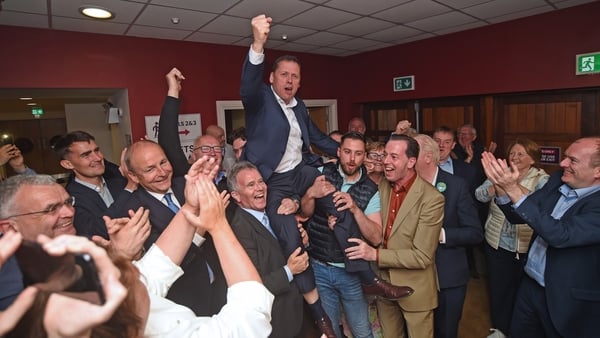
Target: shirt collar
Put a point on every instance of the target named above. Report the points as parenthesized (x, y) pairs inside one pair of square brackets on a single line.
[(569, 192), (91, 185)]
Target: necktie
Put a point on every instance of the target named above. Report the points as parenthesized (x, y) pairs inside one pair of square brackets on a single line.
[(265, 222), (170, 204)]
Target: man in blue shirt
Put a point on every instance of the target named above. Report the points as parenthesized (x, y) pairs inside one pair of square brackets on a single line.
[(560, 293)]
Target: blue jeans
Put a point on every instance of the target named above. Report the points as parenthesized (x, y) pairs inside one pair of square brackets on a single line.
[(336, 286)]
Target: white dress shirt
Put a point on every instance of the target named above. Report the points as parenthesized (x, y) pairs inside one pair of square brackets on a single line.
[(247, 313)]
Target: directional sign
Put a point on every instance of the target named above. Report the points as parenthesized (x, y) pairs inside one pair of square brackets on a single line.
[(190, 128), (404, 83), (588, 63)]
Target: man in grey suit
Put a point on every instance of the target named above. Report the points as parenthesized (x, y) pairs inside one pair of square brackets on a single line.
[(251, 225)]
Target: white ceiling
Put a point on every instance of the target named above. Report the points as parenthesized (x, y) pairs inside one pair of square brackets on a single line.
[(327, 27)]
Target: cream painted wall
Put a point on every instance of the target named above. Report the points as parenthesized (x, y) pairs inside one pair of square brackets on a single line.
[(90, 117)]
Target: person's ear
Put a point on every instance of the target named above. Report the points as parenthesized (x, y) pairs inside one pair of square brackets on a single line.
[(132, 176), (66, 164), (411, 162), (271, 78), (235, 195), (7, 225)]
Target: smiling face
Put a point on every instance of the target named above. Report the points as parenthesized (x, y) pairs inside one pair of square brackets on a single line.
[(33, 198), (520, 158), (397, 166), (579, 171), (285, 80), (85, 159), (149, 167), (207, 141), (466, 136), (251, 192)]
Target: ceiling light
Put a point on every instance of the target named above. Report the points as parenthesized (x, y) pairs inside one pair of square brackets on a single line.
[(96, 12), (175, 20), (25, 98), (32, 104)]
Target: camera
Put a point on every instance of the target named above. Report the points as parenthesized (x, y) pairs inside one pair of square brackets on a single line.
[(72, 273)]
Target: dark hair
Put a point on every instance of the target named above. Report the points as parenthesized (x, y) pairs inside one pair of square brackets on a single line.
[(412, 146), (233, 172), (62, 144), (235, 134), (354, 135), (290, 58), (447, 130), (124, 322)]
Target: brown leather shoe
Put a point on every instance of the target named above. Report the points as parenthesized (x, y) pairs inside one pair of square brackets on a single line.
[(326, 327), (386, 290)]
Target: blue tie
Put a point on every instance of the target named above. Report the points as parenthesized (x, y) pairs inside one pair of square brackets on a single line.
[(174, 208), (267, 225)]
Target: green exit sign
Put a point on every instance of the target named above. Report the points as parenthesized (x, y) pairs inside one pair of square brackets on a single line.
[(588, 63), (403, 83), (38, 111)]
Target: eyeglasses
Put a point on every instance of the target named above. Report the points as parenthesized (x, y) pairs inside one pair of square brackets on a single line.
[(207, 149), (51, 210), (375, 156)]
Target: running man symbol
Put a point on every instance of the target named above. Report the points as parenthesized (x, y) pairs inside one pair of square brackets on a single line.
[(587, 64)]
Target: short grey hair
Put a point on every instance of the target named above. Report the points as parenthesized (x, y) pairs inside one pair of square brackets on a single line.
[(10, 187), (234, 172)]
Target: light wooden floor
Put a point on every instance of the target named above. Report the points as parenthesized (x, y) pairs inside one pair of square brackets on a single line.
[(475, 322)]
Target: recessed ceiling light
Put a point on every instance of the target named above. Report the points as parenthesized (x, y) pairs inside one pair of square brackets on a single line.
[(32, 104), (96, 12), (175, 21), (25, 98)]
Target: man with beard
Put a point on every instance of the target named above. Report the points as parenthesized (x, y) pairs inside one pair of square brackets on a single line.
[(412, 212), (346, 201), (97, 191)]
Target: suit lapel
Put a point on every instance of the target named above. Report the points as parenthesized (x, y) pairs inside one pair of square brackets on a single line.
[(256, 225), (412, 197)]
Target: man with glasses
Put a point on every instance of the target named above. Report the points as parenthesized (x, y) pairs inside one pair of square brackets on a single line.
[(34, 205)]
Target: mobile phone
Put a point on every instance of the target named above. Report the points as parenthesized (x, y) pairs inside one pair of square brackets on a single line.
[(70, 274), (6, 139)]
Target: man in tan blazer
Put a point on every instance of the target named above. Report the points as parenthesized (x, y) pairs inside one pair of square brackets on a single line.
[(412, 212)]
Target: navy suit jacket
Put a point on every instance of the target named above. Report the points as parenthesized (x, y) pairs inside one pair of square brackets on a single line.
[(267, 128), (193, 289), (266, 255), (462, 227), (89, 206), (572, 273)]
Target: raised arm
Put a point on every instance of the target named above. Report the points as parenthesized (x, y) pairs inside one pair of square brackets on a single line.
[(168, 130)]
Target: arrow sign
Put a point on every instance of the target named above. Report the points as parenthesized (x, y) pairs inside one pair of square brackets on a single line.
[(184, 132), (403, 83)]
